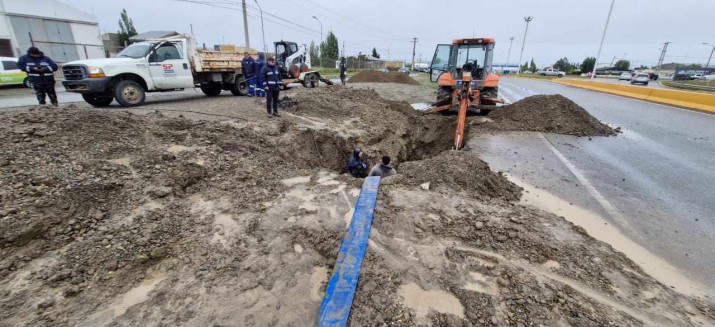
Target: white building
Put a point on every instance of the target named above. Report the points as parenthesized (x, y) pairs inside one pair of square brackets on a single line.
[(62, 32)]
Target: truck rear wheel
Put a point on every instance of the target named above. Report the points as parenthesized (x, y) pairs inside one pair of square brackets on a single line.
[(129, 93), (240, 88), (304, 68), (97, 100), (212, 89)]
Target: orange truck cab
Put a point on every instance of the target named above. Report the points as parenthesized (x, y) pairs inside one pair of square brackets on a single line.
[(450, 60)]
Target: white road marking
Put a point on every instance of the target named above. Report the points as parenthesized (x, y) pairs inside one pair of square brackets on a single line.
[(610, 209)]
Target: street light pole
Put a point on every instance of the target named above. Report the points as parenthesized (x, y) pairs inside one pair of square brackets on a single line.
[(603, 37), (508, 55), (523, 42), (711, 54), (320, 53), (263, 31)]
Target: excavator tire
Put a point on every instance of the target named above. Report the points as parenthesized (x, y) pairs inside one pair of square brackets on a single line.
[(304, 68)]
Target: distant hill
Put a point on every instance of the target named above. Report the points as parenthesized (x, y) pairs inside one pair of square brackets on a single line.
[(675, 66)]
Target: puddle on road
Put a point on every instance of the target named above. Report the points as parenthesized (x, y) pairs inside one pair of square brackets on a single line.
[(133, 297), (599, 228), (421, 301)]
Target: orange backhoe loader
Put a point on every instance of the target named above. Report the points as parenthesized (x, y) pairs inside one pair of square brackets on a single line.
[(463, 72)]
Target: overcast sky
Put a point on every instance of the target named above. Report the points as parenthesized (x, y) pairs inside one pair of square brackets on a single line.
[(560, 28)]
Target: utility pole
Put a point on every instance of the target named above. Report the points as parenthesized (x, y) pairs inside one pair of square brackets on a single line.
[(711, 55), (414, 45), (508, 54), (245, 26), (263, 30), (603, 37), (527, 19), (320, 47), (662, 56), (344, 50)]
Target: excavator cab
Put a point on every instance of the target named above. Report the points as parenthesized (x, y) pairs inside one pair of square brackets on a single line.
[(474, 55)]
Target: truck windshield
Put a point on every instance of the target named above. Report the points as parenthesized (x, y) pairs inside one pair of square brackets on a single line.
[(471, 52), (135, 51)]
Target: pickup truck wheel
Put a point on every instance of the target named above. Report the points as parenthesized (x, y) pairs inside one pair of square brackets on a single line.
[(211, 90), (240, 88), (26, 83), (129, 93), (97, 101)]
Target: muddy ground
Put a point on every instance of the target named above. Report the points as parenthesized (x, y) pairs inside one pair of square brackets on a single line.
[(116, 218)]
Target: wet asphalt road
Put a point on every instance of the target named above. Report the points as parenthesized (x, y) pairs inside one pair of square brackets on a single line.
[(655, 181)]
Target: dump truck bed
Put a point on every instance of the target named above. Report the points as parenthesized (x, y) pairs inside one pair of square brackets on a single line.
[(209, 61)]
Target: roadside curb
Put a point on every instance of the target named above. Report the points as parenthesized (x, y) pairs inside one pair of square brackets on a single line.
[(692, 100)]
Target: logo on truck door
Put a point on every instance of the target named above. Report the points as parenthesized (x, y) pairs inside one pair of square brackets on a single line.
[(168, 68)]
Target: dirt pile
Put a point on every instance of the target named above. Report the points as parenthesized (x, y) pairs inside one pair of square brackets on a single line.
[(377, 125), (548, 113), (373, 76), (457, 170), (110, 218)]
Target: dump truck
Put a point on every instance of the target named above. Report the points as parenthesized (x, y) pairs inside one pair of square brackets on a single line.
[(159, 65)]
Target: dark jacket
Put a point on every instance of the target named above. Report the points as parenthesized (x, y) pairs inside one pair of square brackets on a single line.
[(382, 170), (258, 68), (26, 63), (356, 166), (247, 67), (271, 76), (343, 68)]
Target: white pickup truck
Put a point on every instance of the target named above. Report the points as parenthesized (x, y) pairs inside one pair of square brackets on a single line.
[(551, 72), (161, 65)]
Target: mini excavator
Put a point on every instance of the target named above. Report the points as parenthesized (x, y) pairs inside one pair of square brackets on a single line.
[(463, 83)]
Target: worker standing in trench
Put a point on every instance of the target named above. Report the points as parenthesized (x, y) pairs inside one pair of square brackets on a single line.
[(272, 84)]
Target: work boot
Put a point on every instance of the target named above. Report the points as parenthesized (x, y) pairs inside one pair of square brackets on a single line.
[(276, 114), (55, 104), (270, 116)]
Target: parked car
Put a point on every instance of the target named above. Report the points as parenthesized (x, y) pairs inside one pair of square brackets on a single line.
[(10, 74), (404, 70), (551, 72), (383, 70), (695, 76), (626, 76), (641, 79), (424, 70)]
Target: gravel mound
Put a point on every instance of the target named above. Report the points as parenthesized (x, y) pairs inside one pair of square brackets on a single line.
[(551, 114), (373, 76)]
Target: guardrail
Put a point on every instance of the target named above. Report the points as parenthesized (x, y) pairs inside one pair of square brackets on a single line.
[(692, 100)]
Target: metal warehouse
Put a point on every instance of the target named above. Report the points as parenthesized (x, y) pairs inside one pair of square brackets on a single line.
[(62, 32)]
